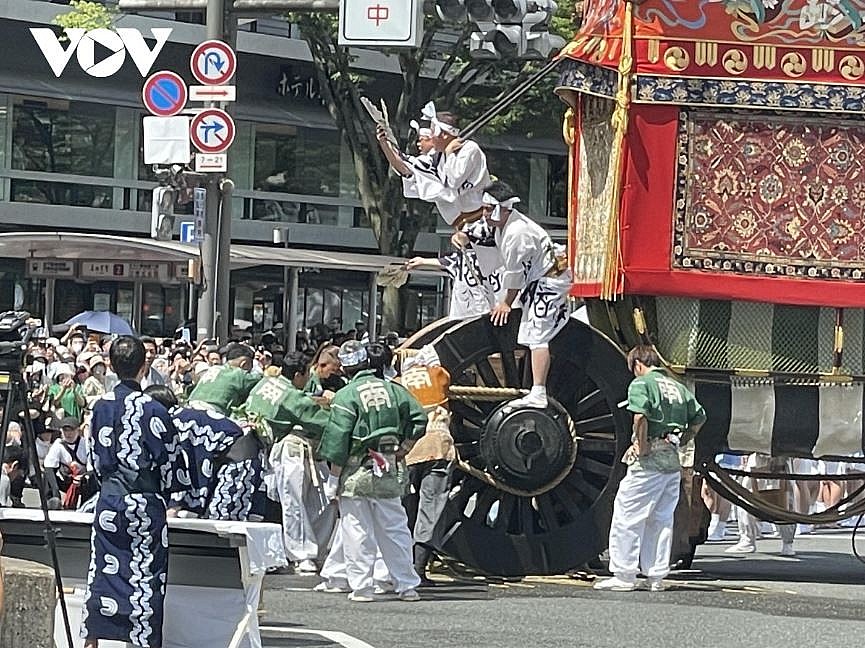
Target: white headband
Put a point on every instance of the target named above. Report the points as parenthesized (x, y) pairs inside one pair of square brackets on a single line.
[(496, 214), (438, 127), (421, 132)]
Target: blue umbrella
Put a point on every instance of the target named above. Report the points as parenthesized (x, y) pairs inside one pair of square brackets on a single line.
[(102, 322)]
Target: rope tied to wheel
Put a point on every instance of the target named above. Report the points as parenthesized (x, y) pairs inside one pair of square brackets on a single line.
[(491, 480), (486, 394)]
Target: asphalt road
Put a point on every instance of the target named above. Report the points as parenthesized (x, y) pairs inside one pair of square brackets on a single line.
[(815, 599)]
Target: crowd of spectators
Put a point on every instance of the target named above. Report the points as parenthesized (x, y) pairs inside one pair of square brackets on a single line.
[(65, 375)]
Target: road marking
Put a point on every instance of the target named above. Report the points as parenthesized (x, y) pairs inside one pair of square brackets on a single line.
[(339, 637)]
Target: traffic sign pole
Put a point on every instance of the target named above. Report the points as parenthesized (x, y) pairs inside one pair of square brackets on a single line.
[(213, 301)]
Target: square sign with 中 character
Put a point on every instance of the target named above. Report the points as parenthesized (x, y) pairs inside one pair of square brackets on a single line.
[(381, 23)]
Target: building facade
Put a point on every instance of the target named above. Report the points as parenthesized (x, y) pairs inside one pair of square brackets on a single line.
[(71, 159)]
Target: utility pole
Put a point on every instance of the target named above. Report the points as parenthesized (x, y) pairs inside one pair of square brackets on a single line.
[(214, 318), (213, 299)]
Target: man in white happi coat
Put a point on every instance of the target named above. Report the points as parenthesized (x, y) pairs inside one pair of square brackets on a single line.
[(533, 268), (451, 173)]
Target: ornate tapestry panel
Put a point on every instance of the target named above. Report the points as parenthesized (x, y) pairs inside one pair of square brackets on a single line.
[(596, 177), (770, 195)]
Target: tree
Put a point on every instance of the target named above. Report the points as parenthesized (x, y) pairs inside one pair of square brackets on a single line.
[(461, 83), (86, 15)]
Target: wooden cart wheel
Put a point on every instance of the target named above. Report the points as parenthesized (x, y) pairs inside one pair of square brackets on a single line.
[(535, 493)]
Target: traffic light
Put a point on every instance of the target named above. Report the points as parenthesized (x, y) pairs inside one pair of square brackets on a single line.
[(162, 214), (495, 41), (451, 10), (512, 28), (539, 43)]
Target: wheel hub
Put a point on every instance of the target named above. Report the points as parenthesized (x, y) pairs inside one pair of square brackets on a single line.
[(526, 448)]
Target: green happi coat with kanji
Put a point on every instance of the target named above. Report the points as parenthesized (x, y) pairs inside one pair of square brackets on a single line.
[(283, 406), (364, 413)]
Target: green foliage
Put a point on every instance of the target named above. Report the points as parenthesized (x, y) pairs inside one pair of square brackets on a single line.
[(86, 15), (442, 71)]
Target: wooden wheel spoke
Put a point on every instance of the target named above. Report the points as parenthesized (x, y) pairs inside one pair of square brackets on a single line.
[(467, 412), (577, 483), (593, 466), (547, 512), (487, 373), (467, 450), (596, 444), (590, 401), (602, 423)]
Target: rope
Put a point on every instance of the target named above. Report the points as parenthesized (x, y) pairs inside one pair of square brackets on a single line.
[(488, 479), (488, 394), (729, 488)]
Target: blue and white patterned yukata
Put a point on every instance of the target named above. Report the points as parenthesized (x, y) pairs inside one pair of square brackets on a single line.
[(219, 489), (138, 459)]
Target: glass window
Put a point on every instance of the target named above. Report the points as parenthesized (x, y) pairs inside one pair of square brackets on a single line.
[(285, 211), (294, 159), (59, 136), (159, 310), (557, 191), (62, 193), (512, 167)]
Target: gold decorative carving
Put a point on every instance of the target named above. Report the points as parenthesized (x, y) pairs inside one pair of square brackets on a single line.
[(764, 57), (851, 67), (822, 59), (793, 64), (706, 53), (654, 52), (676, 59), (735, 61)]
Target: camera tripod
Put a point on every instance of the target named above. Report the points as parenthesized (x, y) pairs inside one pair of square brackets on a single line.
[(16, 395)]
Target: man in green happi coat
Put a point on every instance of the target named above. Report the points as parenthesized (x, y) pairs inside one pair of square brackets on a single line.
[(666, 414), (227, 386), (297, 421), (370, 421)]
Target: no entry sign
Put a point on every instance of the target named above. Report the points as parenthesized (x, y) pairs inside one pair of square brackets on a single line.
[(212, 131), (164, 94)]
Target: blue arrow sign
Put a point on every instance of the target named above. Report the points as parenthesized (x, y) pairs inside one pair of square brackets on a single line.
[(212, 128), (212, 131), (214, 59)]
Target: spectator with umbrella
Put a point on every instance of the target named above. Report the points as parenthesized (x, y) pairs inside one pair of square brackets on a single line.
[(101, 321)]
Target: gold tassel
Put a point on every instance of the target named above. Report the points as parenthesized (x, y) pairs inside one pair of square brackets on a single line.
[(569, 135), (610, 286)]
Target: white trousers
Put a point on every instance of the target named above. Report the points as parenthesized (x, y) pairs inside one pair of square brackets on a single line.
[(371, 525), (749, 529), (307, 519), (641, 533), (333, 571)]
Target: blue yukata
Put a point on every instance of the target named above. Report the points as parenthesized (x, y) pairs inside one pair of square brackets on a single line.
[(138, 459), (220, 488)]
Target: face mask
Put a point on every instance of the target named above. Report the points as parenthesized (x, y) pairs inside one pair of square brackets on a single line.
[(38, 365), (77, 347)]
